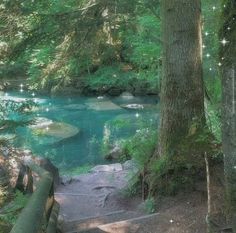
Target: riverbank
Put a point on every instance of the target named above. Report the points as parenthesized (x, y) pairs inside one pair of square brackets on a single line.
[(104, 193)]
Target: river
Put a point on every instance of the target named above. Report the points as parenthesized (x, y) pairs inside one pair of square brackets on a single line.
[(83, 126)]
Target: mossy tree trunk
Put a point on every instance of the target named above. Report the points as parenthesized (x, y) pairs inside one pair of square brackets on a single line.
[(228, 71), (182, 95)]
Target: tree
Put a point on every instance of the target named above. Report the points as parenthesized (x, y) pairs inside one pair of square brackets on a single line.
[(182, 96), (227, 58)]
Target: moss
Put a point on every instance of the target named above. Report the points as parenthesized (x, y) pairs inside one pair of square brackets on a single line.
[(180, 170)]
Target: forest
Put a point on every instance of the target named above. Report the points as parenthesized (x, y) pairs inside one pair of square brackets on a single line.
[(120, 102)]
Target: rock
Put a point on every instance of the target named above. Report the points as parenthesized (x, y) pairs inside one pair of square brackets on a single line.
[(114, 153), (107, 168), (74, 107), (126, 95), (46, 164), (27, 152), (103, 105), (5, 151), (133, 106), (131, 165), (57, 130), (65, 180), (140, 106), (41, 122)]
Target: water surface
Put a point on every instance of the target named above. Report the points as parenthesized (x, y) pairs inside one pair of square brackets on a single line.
[(99, 120)]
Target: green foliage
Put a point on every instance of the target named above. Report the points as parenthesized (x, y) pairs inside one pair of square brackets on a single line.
[(10, 107), (169, 175), (60, 42), (108, 77), (214, 121), (142, 146), (77, 171), (14, 114), (149, 205), (10, 212), (144, 46)]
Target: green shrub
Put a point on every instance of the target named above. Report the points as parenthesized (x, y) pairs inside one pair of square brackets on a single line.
[(11, 211)]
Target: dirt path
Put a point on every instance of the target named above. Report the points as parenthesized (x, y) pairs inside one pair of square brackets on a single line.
[(96, 193), (100, 192)]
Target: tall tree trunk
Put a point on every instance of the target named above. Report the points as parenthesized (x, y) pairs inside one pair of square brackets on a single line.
[(228, 59), (182, 95)]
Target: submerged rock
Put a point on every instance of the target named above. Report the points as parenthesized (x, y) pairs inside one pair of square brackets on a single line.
[(44, 127), (41, 122), (74, 107), (61, 130), (103, 105)]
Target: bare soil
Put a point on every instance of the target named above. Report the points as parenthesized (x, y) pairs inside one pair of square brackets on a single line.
[(99, 193)]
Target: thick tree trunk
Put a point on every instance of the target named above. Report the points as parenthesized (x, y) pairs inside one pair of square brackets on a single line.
[(182, 96), (228, 58)]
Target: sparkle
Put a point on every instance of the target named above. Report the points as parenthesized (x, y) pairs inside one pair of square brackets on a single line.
[(224, 5), (171, 221), (137, 115), (21, 90), (210, 69), (203, 46), (21, 85), (33, 94), (224, 42), (47, 109), (213, 8), (206, 33), (222, 58), (219, 64), (47, 128), (228, 28), (208, 55)]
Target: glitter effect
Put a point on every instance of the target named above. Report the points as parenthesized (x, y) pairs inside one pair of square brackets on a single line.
[(224, 42)]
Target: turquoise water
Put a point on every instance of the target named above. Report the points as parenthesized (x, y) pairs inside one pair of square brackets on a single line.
[(99, 120)]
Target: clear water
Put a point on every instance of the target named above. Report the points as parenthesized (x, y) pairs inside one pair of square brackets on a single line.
[(99, 121)]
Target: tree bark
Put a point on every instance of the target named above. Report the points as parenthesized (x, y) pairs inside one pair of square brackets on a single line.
[(182, 95), (228, 59)]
